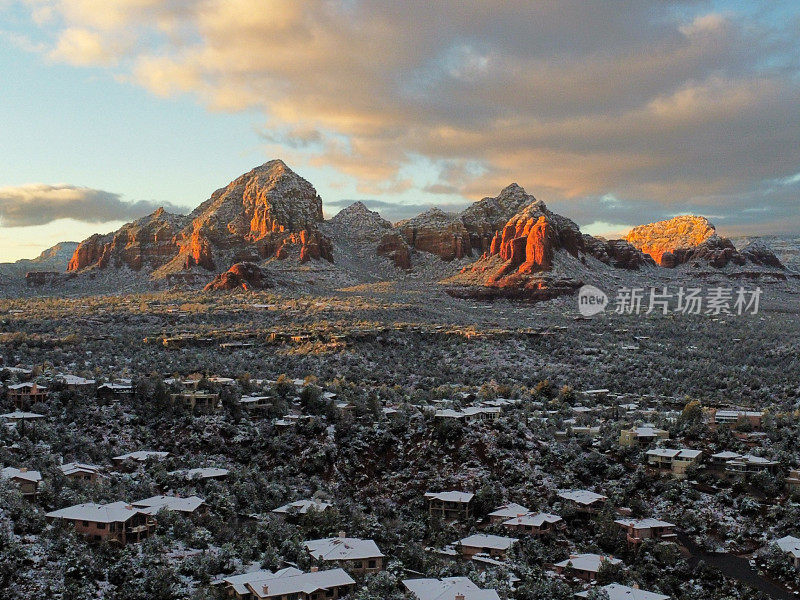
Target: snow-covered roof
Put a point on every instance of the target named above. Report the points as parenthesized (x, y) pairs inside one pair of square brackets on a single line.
[(21, 414), (116, 386), (617, 591), (141, 455), (463, 497), (290, 581), (647, 431), (303, 506), (447, 589), (99, 513), (483, 540), (533, 519), (26, 386), (584, 497), (509, 510), (74, 467), (790, 545), (24, 474), (342, 548), (588, 562), (74, 380), (643, 523), (726, 455), (152, 505), (201, 473), (686, 453)]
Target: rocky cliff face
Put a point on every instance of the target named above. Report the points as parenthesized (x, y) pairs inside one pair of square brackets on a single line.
[(53, 259), (148, 242), (241, 276), (680, 233), (264, 213), (487, 216)]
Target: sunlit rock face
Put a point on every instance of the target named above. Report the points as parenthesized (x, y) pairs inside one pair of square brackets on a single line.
[(677, 234), (261, 214), (241, 276)]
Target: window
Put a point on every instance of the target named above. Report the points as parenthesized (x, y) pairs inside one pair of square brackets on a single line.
[(86, 523), (357, 564), (112, 527), (372, 564), (101, 525)]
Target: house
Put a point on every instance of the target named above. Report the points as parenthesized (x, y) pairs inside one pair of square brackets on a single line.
[(118, 522), (23, 395), (675, 460), (75, 383), (80, 471), (20, 416), (255, 403), (470, 414), (140, 456), (749, 463), (189, 506), (638, 530), (641, 436), (201, 473), (450, 588), (356, 555), (197, 401), (791, 546), (507, 511), (27, 481), (719, 461), (534, 523), (583, 500), (450, 506), (617, 591), (301, 507), (290, 583), (736, 417), (584, 566), (114, 391), (793, 481), (496, 546)]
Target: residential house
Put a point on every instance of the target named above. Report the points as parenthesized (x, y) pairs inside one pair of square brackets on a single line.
[(496, 546), (791, 546), (139, 456), (450, 506), (675, 460), (642, 436), (583, 500), (507, 511), (617, 591), (449, 588), (118, 522), (201, 473), (256, 403), (290, 583), (584, 566), (356, 555), (75, 383), (719, 461), (27, 481), (81, 472), (114, 391), (189, 506), (749, 463), (23, 395), (638, 530), (534, 523), (20, 416), (736, 417), (197, 400), (295, 509)]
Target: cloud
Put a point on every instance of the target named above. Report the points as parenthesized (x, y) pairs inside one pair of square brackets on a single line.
[(39, 203), (661, 105)]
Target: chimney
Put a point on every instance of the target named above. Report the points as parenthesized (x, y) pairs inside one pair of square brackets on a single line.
[(314, 569), (264, 590), (460, 597), (342, 534)]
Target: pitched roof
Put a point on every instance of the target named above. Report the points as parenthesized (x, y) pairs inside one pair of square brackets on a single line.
[(152, 505), (587, 562), (292, 581), (643, 523), (447, 589), (790, 545), (483, 540), (342, 548), (141, 455), (201, 473), (21, 414), (14, 473), (533, 519), (584, 497), (302, 506), (75, 467), (463, 497), (98, 513), (509, 510), (616, 591)]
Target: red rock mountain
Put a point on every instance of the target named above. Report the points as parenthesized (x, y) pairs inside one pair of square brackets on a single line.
[(665, 237), (268, 212)]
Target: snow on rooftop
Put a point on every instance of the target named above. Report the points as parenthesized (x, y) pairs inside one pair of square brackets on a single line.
[(342, 548), (447, 589), (617, 591)]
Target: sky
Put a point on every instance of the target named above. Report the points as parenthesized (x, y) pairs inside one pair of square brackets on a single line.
[(613, 113)]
